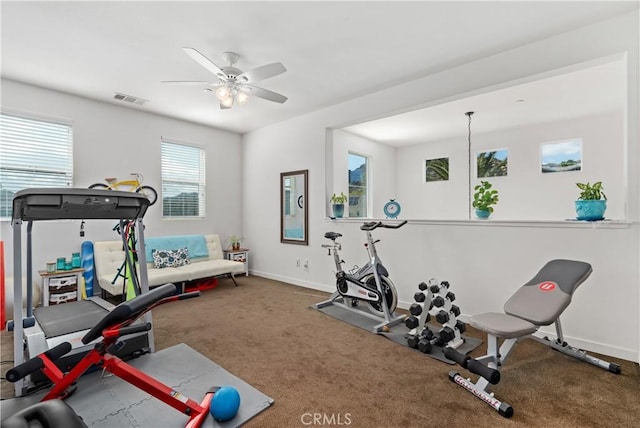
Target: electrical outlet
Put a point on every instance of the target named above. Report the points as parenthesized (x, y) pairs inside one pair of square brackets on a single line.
[(297, 262), (306, 263)]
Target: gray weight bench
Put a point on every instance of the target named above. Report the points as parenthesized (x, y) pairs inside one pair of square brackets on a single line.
[(537, 303)]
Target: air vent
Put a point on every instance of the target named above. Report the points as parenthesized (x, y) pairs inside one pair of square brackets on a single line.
[(129, 99)]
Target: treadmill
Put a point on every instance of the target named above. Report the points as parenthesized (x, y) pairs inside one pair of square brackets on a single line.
[(47, 326)]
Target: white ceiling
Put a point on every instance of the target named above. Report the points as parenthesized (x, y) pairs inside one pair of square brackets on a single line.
[(334, 51), (584, 92)]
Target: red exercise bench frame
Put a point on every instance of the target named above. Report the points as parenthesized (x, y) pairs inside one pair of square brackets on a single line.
[(114, 325)]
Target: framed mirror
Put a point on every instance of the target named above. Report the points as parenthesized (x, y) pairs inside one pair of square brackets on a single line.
[(294, 216)]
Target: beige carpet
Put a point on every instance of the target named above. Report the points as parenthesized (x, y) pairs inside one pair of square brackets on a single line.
[(315, 366)]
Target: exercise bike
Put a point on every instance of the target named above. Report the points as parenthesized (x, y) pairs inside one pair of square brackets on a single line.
[(369, 284)]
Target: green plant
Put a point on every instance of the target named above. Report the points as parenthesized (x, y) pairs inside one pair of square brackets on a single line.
[(484, 197), (339, 199), (591, 192), (235, 240)]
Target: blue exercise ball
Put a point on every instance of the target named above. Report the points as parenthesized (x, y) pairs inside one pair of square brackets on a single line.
[(225, 403)]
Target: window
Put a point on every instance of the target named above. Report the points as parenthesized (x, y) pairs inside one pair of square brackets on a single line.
[(183, 182), (33, 153), (357, 185)]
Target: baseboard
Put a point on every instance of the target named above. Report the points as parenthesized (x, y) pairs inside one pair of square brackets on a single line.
[(600, 348), (294, 281)]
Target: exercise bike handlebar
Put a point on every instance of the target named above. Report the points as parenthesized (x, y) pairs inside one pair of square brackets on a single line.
[(376, 224), (36, 363)]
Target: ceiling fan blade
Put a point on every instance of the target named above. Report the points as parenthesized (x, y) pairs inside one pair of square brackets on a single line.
[(185, 82), (205, 62), (261, 73), (224, 107), (265, 93)]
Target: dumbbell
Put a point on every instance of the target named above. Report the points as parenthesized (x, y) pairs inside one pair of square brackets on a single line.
[(446, 335), (442, 317), (438, 302), (411, 322), (412, 341), (462, 327), (415, 308), (451, 296), (419, 297), (425, 342), (455, 310), (423, 286)]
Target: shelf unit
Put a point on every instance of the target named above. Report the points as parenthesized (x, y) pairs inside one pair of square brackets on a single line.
[(61, 286)]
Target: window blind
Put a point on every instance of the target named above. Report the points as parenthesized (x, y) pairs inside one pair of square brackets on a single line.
[(183, 180), (33, 153)]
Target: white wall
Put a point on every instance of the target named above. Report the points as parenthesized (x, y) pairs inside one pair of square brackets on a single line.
[(525, 193), (484, 262), (113, 141), (381, 168)]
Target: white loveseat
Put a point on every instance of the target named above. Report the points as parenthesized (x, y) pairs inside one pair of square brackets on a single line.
[(109, 257)]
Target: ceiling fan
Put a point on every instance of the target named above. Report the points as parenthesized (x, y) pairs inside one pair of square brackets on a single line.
[(234, 85)]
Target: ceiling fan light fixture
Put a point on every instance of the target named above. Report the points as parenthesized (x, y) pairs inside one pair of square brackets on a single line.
[(228, 101), (242, 97), (223, 93)]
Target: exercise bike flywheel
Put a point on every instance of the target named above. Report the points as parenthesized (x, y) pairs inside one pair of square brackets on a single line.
[(389, 291)]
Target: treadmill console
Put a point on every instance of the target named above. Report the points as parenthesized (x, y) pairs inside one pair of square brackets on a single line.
[(80, 204)]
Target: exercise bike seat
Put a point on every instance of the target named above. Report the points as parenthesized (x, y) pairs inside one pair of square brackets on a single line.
[(539, 302), (332, 235), (129, 310), (46, 414)]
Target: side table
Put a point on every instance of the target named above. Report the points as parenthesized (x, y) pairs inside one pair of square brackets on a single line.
[(239, 255)]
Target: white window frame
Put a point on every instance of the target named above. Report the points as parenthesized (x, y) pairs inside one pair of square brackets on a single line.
[(35, 152), (366, 186), (186, 176)]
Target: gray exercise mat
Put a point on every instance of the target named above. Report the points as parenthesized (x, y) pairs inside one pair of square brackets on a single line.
[(397, 333), (111, 402)]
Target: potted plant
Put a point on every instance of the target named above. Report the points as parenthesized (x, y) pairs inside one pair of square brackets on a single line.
[(483, 199), (235, 242), (592, 202), (338, 202)]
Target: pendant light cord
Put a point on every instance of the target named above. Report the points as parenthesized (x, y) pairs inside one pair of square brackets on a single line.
[(469, 114)]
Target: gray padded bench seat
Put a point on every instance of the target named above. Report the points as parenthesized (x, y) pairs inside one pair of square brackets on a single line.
[(502, 325)]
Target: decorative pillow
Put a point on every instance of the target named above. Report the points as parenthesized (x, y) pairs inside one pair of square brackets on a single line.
[(170, 258)]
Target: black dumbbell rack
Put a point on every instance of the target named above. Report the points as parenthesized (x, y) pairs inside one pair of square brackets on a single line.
[(434, 301)]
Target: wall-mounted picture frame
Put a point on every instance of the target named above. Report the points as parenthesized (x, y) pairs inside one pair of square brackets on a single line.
[(561, 156), (492, 163), (436, 169), (294, 214)]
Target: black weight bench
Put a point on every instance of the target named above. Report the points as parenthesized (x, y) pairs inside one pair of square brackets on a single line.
[(537, 303), (48, 414)]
